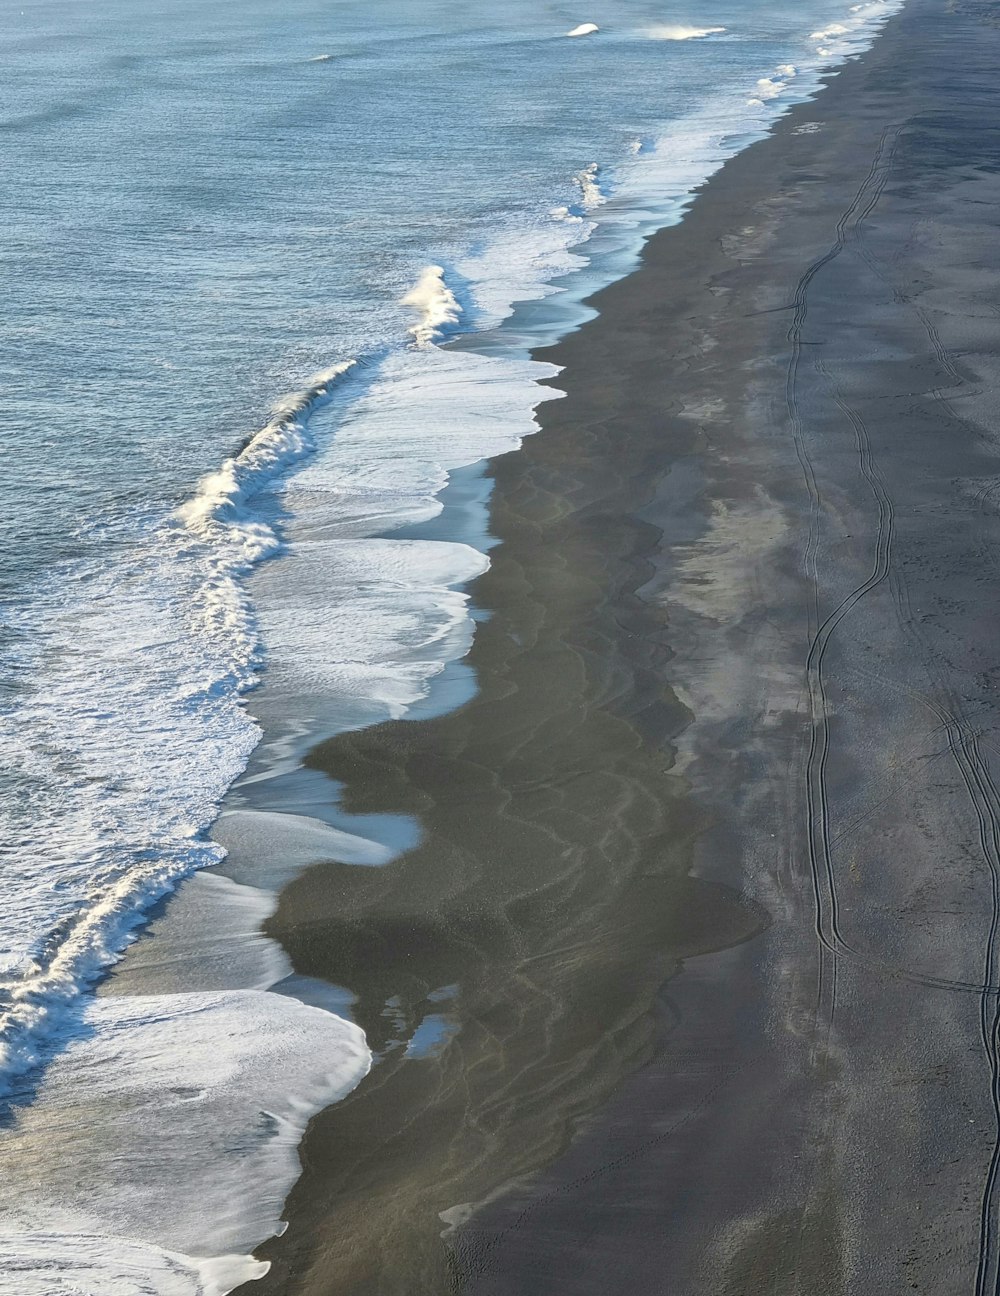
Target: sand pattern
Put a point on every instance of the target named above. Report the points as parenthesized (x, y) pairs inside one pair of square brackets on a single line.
[(548, 901), (710, 879)]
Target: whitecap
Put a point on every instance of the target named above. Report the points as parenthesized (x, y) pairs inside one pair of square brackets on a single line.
[(208, 1090), (216, 510), (680, 32), (231, 537), (768, 88), (436, 303), (176, 644), (587, 182)]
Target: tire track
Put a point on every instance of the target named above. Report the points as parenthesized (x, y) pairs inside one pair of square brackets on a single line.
[(981, 788), (817, 815), (963, 740)]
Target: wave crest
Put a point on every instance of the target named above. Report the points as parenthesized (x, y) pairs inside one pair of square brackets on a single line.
[(218, 502), (680, 32), (227, 540), (437, 305), (590, 190)]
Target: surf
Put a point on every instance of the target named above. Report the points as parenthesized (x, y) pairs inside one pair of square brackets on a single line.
[(435, 304)]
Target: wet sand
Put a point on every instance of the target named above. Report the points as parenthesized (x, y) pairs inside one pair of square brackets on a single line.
[(710, 871)]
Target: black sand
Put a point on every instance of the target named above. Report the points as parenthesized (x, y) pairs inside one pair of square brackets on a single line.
[(714, 858)]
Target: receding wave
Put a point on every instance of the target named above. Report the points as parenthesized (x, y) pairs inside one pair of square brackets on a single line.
[(436, 304), (207, 1090)]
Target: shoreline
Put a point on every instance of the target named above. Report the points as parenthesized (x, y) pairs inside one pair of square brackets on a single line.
[(650, 535), (817, 1115), (614, 552), (582, 842)]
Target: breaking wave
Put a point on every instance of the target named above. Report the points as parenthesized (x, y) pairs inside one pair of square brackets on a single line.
[(233, 538), (436, 304), (137, 721), (680, 32), (587, 182)]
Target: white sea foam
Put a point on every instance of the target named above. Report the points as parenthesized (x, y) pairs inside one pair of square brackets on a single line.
[(839, 39), (359, 625), (656, 185), (584, 29), (128, 850), (397, 617), (230, 537), (138, 798), (436, 304), (217, 512), (768, 88), (835, 29), (680, 32), (589, 186), (214, 1088), (520, 261), (34, 1262), (129, 738), (187, 651), (771, 87)]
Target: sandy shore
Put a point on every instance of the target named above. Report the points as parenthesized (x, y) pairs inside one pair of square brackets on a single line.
[(709, 881)]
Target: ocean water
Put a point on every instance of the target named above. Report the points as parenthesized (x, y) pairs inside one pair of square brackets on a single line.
[(234, 241)]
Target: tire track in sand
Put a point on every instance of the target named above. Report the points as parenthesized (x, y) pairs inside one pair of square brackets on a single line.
[(963, 740)]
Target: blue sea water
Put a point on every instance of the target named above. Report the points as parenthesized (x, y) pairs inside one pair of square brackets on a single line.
[(207, 214)]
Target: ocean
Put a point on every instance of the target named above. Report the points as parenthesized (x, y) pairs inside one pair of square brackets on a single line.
[(271, 278)]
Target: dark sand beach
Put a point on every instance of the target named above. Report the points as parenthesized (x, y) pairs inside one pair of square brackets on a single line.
[(711, 865)]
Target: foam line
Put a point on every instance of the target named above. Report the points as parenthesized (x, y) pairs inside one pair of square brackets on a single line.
[(211, 1091), (680, 32)]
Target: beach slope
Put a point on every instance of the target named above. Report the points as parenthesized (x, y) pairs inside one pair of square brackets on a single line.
[(710, 879)]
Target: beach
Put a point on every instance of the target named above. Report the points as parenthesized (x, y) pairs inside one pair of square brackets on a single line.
[(498, 729), (364, 780), (701, 933)]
